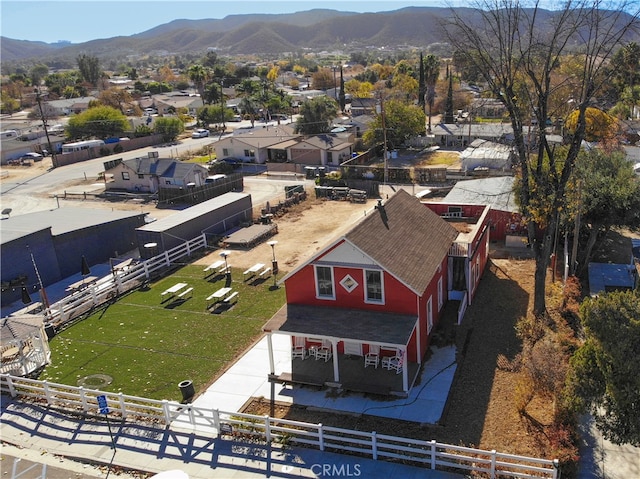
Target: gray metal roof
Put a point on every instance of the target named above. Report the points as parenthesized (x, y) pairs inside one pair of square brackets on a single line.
[(195, 211), (496, 192), (60, 220)]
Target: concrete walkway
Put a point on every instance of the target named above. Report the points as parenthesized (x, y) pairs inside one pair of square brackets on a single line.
[(247, 379)]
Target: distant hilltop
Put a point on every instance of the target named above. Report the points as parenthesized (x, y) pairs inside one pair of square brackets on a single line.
[(266, 34)]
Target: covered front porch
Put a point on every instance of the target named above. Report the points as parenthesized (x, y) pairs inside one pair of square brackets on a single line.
[(355, 350)]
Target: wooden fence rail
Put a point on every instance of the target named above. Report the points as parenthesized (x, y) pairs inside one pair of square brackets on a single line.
[(430, 454)]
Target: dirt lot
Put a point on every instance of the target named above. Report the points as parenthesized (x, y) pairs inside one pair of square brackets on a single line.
[(302, 231)]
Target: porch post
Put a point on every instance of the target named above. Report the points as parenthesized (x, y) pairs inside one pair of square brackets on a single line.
[(334, 352), (418, 343), (405, 371), (272, 368)]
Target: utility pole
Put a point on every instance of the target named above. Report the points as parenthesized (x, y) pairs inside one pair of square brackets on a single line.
[(54, 161)]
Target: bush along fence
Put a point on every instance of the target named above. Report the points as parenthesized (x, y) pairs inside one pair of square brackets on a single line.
[(240, 427)]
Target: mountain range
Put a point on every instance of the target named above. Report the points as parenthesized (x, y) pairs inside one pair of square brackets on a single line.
[(261, 34), (317, 30)]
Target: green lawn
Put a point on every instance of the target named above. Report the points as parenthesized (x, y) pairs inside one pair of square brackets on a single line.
[(148, 347)]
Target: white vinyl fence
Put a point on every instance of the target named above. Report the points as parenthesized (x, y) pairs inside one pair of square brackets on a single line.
[(429, 454), (111, 286)]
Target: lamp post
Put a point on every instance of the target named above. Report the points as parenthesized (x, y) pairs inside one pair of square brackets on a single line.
[(224, 254), (274, 263)]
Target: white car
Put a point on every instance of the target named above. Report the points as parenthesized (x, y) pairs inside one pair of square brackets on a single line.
[(200, 133)]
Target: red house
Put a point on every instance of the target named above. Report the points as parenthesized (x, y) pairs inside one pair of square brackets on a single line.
[(364, 307)]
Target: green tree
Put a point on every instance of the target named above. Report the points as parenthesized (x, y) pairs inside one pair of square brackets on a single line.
[(605, 371), (249, 107), (214, 114), (609, 196), (169, 128), (625, 65), (518, 51), (431, 73), (401, 122), (316, 115), (89, 67), (98, 122), (199, 75), (341, 96), (38, 73), (422, 91)]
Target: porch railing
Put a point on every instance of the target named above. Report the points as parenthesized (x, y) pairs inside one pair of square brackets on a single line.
[(429, 454)]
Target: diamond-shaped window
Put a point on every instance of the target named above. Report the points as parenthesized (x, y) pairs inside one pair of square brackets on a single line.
[(349, 283)]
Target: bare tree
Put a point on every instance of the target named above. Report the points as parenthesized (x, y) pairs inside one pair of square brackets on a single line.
[(520, 50)]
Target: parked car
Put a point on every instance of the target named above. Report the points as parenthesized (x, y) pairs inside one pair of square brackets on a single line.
[(200, 133), (31, 156)]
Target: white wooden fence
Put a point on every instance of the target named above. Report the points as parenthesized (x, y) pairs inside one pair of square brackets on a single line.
[(109, 287), (429, 454)]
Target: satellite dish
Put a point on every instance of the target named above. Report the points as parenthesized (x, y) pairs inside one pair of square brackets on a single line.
[(6, 211)]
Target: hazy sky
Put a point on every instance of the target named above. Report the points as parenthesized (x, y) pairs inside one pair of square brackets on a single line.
[(83, 20)]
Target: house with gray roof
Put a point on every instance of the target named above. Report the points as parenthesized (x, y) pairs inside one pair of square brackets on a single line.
[(323, 149), (148, 173), (257, 145), (360, 312)]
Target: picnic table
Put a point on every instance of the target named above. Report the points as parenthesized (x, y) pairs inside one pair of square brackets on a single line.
[(10, 353), (223, 295), (218, 295), (215, 266), (173, 290), (81, 284), (252, 271)]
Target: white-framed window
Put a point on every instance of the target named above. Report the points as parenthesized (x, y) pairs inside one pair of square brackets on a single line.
[(125, 175), (440, 294), (324, 282), (429, 315), (373, 286)]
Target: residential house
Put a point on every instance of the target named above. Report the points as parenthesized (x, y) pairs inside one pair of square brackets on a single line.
[(258, 145), (366, 305), (497, 192), (489, 155), (463, 134), (67, 106), (148, 173), (176, 101), (324, 149), (363, 106)]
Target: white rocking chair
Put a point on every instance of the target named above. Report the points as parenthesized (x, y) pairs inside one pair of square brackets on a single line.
[(299, 349), (372, 358)]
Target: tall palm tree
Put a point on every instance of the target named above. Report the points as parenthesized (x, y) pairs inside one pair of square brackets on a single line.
[(431, 73), (198, 75)]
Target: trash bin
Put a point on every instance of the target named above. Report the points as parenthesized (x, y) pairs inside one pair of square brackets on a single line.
[(187, 389), (50, 330)]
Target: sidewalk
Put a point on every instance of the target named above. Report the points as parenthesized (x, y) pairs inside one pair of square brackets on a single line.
[(154, 449)]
